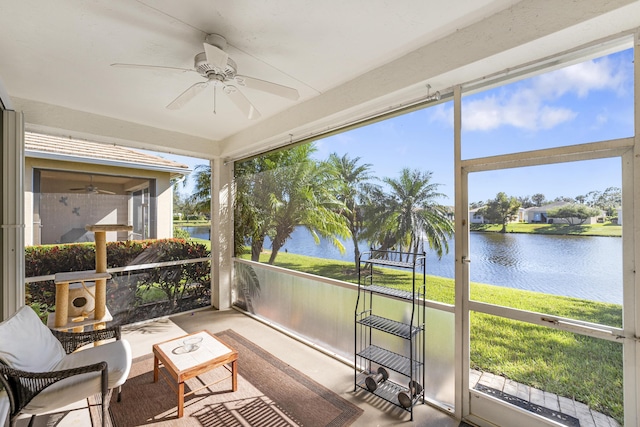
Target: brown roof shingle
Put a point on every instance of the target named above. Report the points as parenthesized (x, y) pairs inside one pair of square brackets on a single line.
[(85, 150)]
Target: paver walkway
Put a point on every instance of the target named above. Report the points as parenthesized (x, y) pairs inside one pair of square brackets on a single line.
[(553, 402)]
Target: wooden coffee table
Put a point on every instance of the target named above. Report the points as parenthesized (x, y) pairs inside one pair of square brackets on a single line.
[(182, 365)]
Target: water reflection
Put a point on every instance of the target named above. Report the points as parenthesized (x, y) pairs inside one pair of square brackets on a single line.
[(576, 266)]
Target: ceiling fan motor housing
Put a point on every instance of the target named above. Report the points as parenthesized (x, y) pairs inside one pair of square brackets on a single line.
[(208, 71)]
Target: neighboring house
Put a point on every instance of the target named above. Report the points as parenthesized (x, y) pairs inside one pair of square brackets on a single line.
[(540, 215), (71, 183), (475, 217), (619, 215)]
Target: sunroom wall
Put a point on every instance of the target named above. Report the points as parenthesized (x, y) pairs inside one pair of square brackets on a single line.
[(164, 193)]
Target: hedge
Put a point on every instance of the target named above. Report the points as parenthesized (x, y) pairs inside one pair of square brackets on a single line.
[(126, 291)]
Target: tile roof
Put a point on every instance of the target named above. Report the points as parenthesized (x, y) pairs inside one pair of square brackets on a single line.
[(63, 148), (546, 207)]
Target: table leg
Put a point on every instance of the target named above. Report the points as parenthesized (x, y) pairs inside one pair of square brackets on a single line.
[(180, 399), (234, 375), (156, 364)]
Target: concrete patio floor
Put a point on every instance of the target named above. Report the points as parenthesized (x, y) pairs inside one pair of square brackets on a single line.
[(327, 371)]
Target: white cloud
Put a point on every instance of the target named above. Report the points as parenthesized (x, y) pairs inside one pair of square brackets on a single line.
[(533, 104), (522, 109), (441, 113), (583, 78), (482, 114), (550, 117), (601, 120)]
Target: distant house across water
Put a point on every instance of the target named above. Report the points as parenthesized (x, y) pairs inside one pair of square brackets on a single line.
[(540, 214)]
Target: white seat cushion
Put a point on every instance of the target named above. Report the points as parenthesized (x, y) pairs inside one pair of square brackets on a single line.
[(27, 344), (117, 354)]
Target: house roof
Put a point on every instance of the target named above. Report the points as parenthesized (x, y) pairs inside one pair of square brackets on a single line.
[(548, 206), (76, 150)]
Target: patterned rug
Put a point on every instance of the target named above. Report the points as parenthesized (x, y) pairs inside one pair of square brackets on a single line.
[(270, 393)]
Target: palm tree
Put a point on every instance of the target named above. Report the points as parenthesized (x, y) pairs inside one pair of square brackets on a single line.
[(305, 198), (280, 191), (408, 215), (202, 188), (256, 184), (351, 187)]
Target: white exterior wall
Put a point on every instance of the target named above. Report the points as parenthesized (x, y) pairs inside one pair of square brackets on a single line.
[(164, 195), (619, 216)]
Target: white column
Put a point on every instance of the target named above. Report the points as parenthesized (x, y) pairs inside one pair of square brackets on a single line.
[(12, 212), (221, 233), (631, 254)]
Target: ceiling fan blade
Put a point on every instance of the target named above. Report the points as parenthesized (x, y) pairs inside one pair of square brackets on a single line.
[(241, 102), (77, 189), (187, 95), (104, 192), (265, 86), (152, 67), (216, 56)]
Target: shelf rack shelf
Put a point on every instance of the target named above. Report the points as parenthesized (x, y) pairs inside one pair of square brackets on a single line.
[(372, 358)]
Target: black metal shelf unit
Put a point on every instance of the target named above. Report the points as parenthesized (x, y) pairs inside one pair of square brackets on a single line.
[(371, 358)]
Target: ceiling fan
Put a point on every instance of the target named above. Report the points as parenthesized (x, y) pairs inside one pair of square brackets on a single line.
[(218, 69), (91, 189)]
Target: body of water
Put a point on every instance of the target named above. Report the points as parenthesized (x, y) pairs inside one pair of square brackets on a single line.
[(576, 266)]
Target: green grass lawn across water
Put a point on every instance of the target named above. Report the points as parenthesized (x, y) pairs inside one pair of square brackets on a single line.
[(586, 369), (606, 229)]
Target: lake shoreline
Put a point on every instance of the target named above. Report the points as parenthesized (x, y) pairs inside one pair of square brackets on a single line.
[(587, 267), (606, 229)]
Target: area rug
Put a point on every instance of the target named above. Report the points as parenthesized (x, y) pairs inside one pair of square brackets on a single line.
[(270, 393)]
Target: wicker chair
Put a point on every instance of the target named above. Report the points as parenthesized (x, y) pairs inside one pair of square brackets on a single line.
[(41, 370)]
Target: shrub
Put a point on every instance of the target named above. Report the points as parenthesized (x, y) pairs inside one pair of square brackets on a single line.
[(180, 233), (125, 291)]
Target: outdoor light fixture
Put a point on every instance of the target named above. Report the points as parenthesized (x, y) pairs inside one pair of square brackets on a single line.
[(432, 97)]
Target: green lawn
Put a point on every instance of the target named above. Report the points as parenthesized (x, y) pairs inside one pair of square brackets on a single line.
[(191, 223), (586, 369), (606, 229)]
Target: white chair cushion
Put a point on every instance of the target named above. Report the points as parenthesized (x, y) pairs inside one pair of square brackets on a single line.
[(117, 354), (27, 344)]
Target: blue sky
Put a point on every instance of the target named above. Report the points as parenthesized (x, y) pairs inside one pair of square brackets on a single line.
[(586, 102)]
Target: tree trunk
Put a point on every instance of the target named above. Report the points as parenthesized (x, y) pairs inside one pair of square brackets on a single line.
[(356, 250), (256, 248), (275, 247)]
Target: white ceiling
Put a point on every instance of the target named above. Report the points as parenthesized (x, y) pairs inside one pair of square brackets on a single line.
[(347, 58)]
